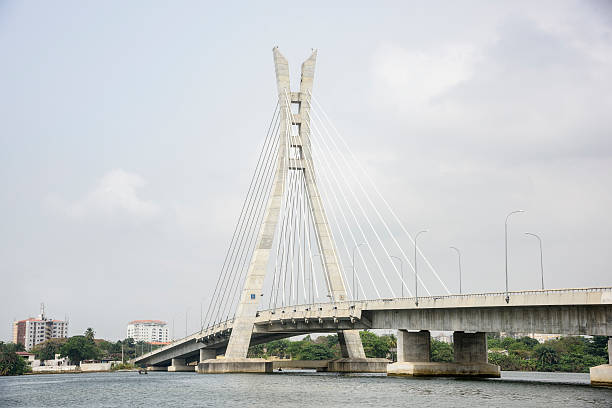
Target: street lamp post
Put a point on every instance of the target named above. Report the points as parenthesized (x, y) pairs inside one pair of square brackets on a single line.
[(459, 255), (506, 245), (416, 274), (355, 295), (401, 271), (541, 257)]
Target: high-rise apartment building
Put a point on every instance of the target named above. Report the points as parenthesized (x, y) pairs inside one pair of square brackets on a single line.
[(148, 330), (33, 331)]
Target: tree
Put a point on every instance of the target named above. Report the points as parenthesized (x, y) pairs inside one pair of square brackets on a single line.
[(79, 348), (307, 350), (48, 349), (256, 351), (508, 362), (10, 362), (376, 346), (546, 357), (441, 351), (598, 346), (278, 348), (89, 334)]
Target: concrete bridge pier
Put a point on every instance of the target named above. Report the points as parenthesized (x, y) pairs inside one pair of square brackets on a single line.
[(602, 374), (235, 365), (207, 354), (157, 368), (353, 358), (470, 349), (179, 365)]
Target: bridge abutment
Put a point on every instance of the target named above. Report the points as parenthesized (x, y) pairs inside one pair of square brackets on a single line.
[(471, 358), (602, 374)]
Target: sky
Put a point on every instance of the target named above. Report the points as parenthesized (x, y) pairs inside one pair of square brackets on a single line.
[(129, 132)]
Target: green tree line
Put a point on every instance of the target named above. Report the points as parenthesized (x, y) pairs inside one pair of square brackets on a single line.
[(76, 348), (86, 347), (567, 354), (327, 348)]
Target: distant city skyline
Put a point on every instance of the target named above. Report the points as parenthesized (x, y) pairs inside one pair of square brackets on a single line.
[(125, 124)]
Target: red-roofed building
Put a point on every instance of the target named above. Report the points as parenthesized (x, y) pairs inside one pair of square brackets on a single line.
[(148, 330), (33, 331)]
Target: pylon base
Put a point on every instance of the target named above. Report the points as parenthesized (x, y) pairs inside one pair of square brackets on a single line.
[(432, 369), (358, 365), (235, 365)]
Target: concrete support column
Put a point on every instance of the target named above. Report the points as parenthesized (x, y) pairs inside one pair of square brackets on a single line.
[(609, 350), (470, 356), (350, 344), (470, 347), (155, 368), (413, 346), (178, 364), (353, 358), (207, 354)]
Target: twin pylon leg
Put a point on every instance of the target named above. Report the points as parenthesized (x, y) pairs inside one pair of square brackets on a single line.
[(299, 160)]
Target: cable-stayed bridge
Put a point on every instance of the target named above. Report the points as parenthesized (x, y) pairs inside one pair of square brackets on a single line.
[(315, 238)]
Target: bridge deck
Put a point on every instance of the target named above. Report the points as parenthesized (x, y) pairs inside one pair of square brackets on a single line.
[(563, 311)]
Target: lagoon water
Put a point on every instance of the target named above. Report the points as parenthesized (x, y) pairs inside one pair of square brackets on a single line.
[(298, 389)]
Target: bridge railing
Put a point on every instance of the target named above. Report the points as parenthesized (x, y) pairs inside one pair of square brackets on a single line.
[(348, 304), (205, 332)]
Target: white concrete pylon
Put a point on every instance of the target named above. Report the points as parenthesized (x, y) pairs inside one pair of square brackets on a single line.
[(253, 286)]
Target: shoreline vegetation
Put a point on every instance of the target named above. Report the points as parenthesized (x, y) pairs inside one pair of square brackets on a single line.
[(572, 354), (566, 354)]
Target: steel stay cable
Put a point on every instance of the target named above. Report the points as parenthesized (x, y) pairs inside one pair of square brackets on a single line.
[(252, 234), (282, 227), (346, 183), (274, 117), (252, 205), (346, 164), (370, 247), (338, 205), (320, 246), (364, 238), (248, 250), (260, 173), (382, 198)]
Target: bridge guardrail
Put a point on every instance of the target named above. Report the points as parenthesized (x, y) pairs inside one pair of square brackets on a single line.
[(320, 306)]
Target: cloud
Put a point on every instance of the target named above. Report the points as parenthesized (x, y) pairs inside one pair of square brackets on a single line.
[(528, 92), (411, 79), (116, 193)]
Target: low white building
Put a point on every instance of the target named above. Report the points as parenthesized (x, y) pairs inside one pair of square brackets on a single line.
[(148, 330), (57, 361)]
